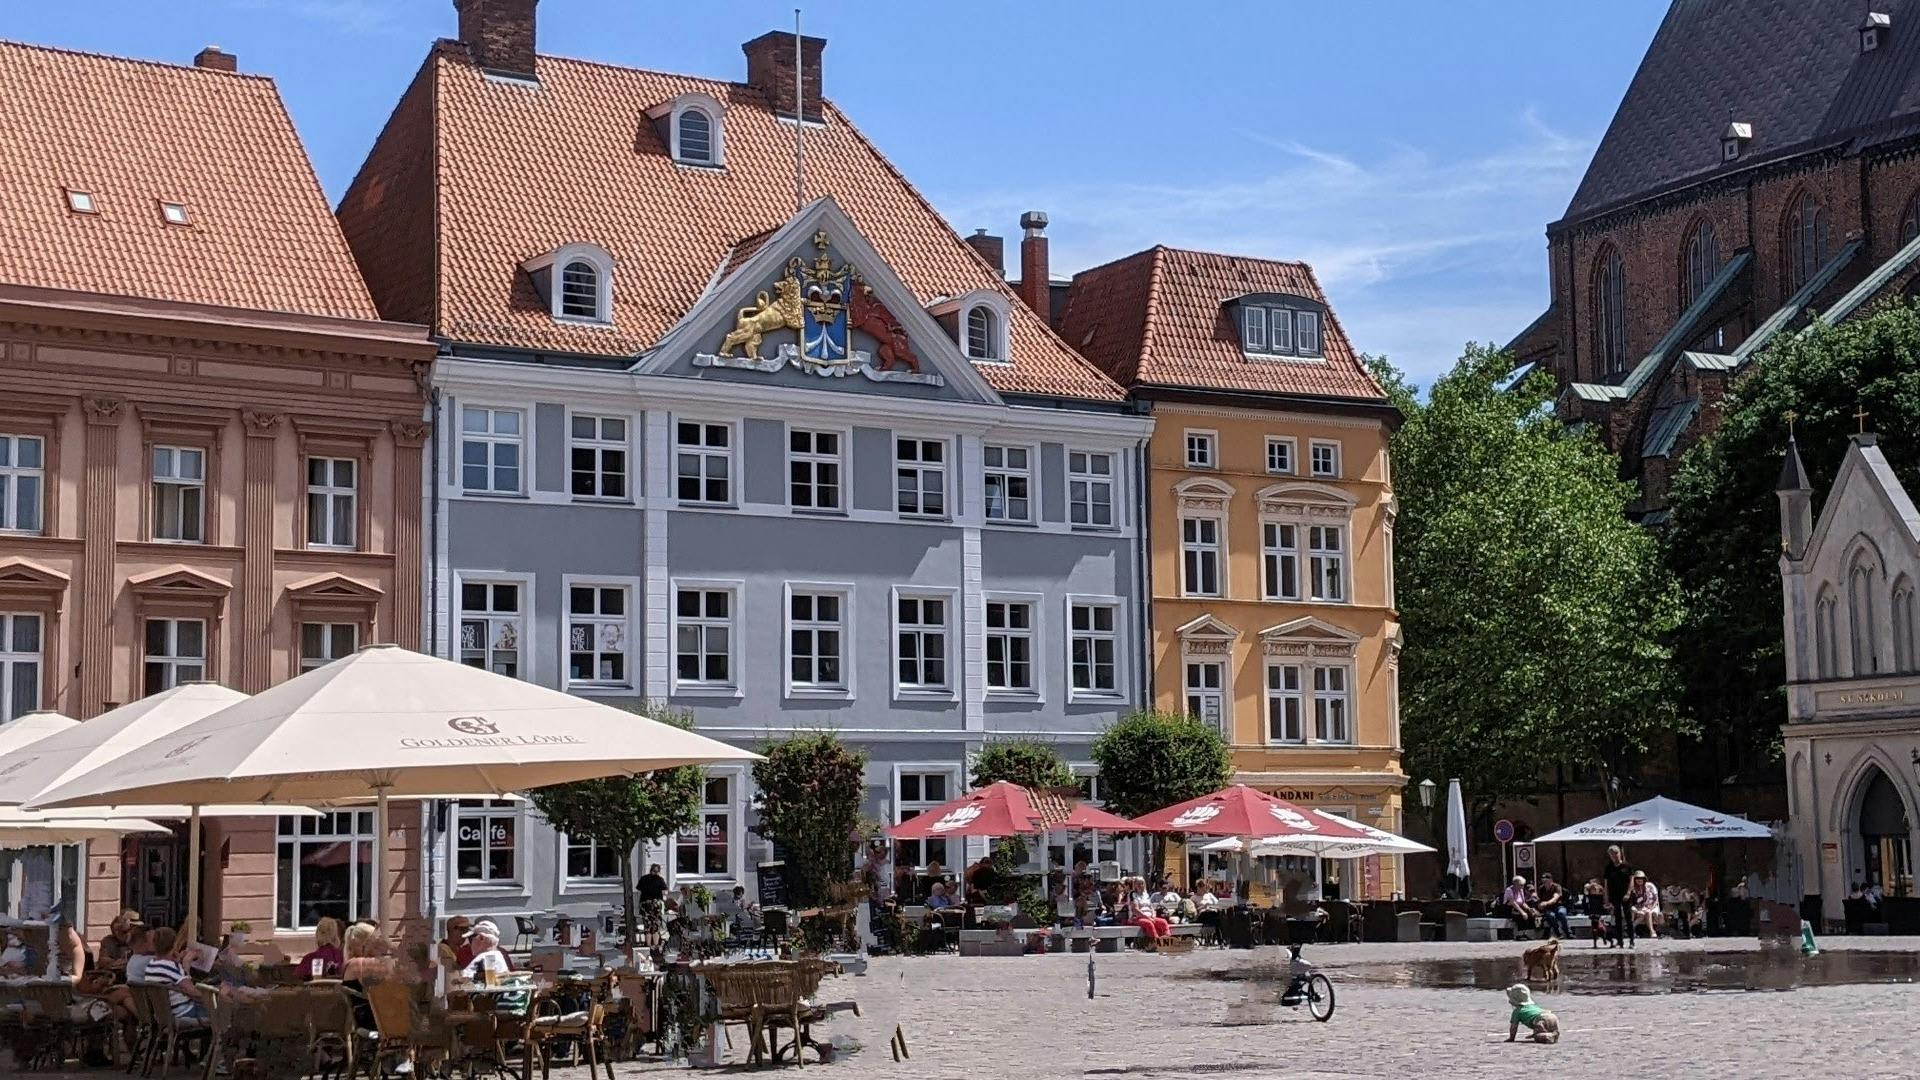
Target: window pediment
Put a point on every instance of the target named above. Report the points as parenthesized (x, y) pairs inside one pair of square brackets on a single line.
[(1207, 635), (1203, 494), (178, 582), (1306, 501), (333, 589), (26, 575), (1308, 636)]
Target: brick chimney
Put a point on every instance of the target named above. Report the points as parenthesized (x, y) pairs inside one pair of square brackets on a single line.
[(1036, 286), (770, 71), (991, 248), (499, 34), (213, 59)]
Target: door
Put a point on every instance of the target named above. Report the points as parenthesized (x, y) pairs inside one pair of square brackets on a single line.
[(152, 885)]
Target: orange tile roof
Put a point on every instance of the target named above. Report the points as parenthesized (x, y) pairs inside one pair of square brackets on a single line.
[(1157, 318), (523, 170), (133, 133)]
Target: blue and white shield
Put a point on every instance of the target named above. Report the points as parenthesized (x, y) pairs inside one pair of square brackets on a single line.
[(824, 315)]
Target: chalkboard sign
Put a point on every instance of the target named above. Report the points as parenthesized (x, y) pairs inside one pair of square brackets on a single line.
[(772, 879)]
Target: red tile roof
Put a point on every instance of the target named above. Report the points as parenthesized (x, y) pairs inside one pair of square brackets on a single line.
[(520, 170), (1158, 318), (133, 133)]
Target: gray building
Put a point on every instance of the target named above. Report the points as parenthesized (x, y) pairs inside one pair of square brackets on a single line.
[(788, 470)]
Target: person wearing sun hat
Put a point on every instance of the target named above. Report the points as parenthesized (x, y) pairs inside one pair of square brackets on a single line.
[(484, 939), (1645, 897), (1544, 1025)]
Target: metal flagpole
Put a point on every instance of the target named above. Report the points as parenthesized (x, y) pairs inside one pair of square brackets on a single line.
[(799, 121)]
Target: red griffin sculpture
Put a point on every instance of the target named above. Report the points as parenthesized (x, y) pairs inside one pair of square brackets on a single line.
[(871, 316)]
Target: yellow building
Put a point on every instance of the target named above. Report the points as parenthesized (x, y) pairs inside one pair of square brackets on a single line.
[(1270, 518)]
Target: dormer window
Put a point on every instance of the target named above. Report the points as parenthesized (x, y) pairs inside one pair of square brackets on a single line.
[(983, 333), (1280, 326), (1734, 140), (692, 126), (978, 321), (577, 282), (1873, 32)]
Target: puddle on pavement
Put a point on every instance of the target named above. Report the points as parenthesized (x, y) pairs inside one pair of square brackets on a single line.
[(1643, 971)]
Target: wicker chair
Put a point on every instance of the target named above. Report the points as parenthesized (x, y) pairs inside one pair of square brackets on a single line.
[(170, 1032), (330, 1034), (585, 1027), (393, 1026)]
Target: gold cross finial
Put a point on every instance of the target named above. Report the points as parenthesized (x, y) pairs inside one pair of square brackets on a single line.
[(1860, 414), (1790, 416), (820, 239)]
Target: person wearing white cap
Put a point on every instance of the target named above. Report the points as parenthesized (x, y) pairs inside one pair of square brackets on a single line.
[(485, 939)]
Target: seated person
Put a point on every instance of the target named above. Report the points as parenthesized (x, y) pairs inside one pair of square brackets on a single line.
[(118, 944), (1551, 903), (1142, 913), (366, 955), (454, 950), (744, 914), (484, 940), (326, 959), (168, 968), (1171, 903), (1645, 899), (1514, 903), (937, 898), (15, 958)]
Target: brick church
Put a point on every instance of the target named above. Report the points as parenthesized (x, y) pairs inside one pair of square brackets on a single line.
[(1762, 172)]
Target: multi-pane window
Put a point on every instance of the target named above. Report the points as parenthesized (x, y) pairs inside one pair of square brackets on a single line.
[(591, 860), (1279, 560), (20, 665), (814, 470), (1306, 332), (598, 635), (1326, 562), (1280, 331), (486, 841), (696, 137), (703, 462), (920, 476), (332, 499), (920, 642), (816, 640), (176, 653), (1806, 240), (1200, 450), (1610, 312), (1206, 693), (1090, 489), (179, 493), (983, 333), (323, 869), (1332, 721), (1010, 647), (1008, 483), (1280, 455), (1093, 645), (490, 626), (1323, 458), (1254, 334), (1200, 556), (916, 793), (23, 468), (703, 638), (597, 456), (1284, 704), (1702, 263), (490, 450), (323, 643), (580, 291), (705, 850)]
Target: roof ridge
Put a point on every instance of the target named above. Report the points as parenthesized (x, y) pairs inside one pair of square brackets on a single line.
[(141, 61), (1110, 263), (607, 65), (1359, 357), (1151, 309), (1235, 255)]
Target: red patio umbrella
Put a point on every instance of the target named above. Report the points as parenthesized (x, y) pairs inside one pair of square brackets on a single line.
[(1242, 811), (999, 809), (1084, 816)]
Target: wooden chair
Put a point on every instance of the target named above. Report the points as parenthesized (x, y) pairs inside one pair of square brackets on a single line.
[(585, 1026), (393, 1026)]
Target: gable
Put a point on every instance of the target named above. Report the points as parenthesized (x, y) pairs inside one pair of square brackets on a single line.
[(814, 307), (337, 588), (177, 581), (1866, 497)]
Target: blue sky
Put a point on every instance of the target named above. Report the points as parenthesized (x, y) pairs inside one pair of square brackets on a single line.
[(1412, 151)]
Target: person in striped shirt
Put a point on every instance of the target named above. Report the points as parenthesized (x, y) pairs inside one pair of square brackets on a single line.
[(168, 968)]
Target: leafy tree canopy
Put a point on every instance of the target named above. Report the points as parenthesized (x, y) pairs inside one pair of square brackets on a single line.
[(810, 789), (1153, 759), (1031, 763), (1534, 614)]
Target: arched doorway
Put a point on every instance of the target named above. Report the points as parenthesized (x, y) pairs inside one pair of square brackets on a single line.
[(1882, 828)]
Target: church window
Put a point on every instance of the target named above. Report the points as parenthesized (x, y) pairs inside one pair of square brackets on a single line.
[(1860, 616), (1903, 625), (1702, 263), (1806, 241), (1610, 312)]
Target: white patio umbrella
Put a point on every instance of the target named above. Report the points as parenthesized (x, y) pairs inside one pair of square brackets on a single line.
[(1457, 863), (1660, 819), (391, 722), (24, 828), (1378, 842)]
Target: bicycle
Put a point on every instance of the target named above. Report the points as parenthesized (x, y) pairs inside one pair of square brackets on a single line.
[(1307, 986)]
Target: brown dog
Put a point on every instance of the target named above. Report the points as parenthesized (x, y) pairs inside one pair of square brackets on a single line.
[(1544, 960)]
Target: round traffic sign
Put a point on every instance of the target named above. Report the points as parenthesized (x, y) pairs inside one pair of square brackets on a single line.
[(1503, 830)]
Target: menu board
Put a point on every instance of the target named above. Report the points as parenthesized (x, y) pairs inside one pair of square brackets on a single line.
[(772, 879)]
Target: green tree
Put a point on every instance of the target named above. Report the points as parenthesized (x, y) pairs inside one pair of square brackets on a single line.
[(1533, 612), (1153, 759), (1723, 539), (623, 812), (1031, 763), (810, 789)]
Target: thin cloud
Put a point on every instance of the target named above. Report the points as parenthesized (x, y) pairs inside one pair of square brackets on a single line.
[(347, 16)]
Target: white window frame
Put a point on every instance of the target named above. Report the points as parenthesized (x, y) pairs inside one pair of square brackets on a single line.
[(329, 643), (1102, 846), (1207, 445), (1007, 474), (555, 265), (360, 834), (178, 667), (1332, 449), (1277, 552), (1115, 638), (921, 471), (1302, 321), (492, 439), (566, 883), (985, 345), (843, 591), (328, 495), (1253, 319), (1035, 603), (524, 655), (903, 808), (716, 116), (680, 133), (999, 317), (813, 460), (735, 829), (191, 532), (1318, 556), (1291, 448), (949, 629), (1276, 699), (14, 475), (1191, 691), (1197, 549), (1386, 537), (600, 446), (1326, 697), (12, 658), (1081, 483), (487, 884), (629, 624), (734, 683), (706, 455)]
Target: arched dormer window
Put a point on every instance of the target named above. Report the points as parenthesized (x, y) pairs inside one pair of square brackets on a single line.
[(1699, 262), (1825, 633), (983, 333), (1903, 625), (1861, 615), (693, 126), (577, 282), (693, 138), (978, 321), (580, 290), (1806, 236), (1610, 312)]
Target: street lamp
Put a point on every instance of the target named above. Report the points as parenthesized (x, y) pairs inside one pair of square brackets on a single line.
[(1427, 788)]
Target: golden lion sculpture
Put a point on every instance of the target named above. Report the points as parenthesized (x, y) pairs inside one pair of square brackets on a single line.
[(781, 311)]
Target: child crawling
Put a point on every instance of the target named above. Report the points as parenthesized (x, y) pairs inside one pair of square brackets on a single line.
[(1544, 1025)]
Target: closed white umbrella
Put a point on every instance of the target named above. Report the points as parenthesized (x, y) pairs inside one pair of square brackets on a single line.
[(389, 722), (1457, 863), (1660, 819)]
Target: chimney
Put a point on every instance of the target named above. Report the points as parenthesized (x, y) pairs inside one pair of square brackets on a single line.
[(770, 71), (213, 59), (499, 34), (1036, 286), (991, 248)]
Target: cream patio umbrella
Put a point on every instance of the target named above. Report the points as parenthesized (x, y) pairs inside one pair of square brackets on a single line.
[(390, 722), (24, 828)]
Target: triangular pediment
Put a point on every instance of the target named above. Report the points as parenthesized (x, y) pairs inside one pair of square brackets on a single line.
[(25, 574), (178, 581), (814, 307), (336, 588), (1207, 626)]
